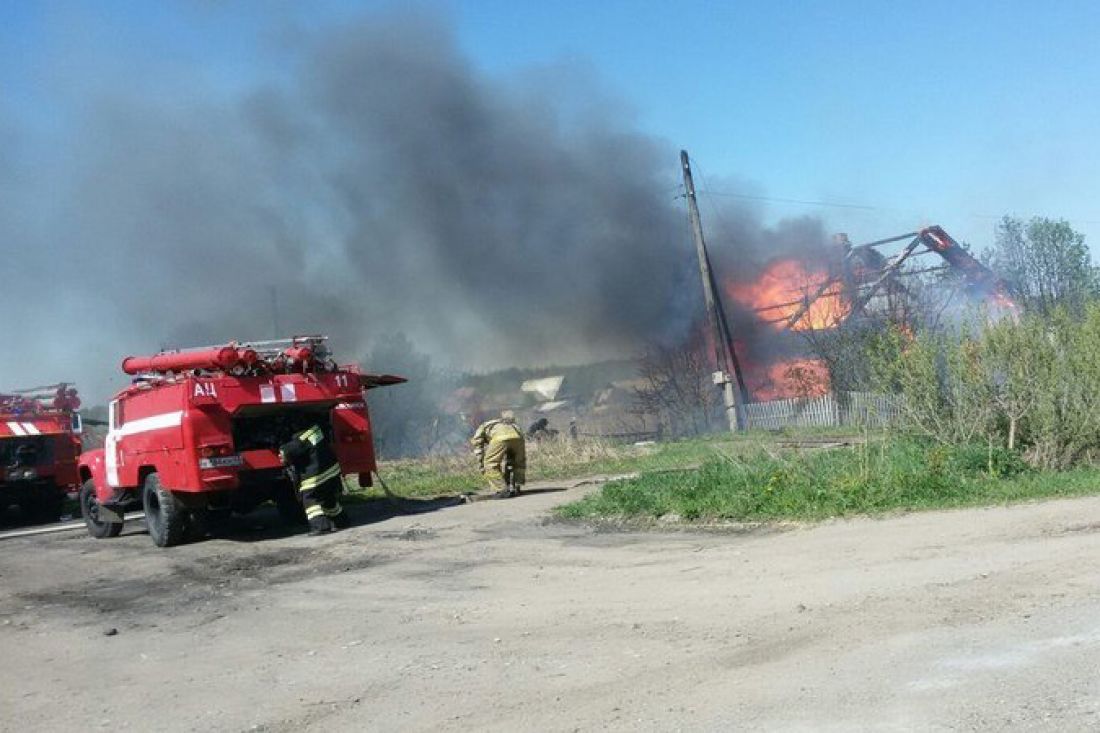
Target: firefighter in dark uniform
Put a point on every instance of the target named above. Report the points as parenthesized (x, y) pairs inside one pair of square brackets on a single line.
[(311, 454), (497, 440)]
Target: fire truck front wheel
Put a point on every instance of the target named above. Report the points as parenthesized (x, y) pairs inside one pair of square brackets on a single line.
[(89, 509), (165, 517)]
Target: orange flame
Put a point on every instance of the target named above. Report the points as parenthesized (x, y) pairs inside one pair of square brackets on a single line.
[(782, 291), (791, 378)]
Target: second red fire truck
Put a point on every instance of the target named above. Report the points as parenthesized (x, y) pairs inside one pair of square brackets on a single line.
[(199, 430), (39, 444)]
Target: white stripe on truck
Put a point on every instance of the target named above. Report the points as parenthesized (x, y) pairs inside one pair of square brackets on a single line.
[(134, 427), (154, 422)]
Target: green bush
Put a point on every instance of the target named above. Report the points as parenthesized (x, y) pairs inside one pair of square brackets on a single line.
[(1031, 384), (883, 476), (994, 460)]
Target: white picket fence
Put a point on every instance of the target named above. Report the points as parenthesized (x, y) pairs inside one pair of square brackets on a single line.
[(870, 410), (857, 408)]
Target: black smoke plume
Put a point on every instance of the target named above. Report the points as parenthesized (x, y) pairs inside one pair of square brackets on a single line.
[(376, 182)]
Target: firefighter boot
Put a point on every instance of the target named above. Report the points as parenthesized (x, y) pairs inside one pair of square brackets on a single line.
[(319, 525), (338, 517)]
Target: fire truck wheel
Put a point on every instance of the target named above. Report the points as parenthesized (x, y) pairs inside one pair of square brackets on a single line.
[(165, 517), (89, 509), (290, 509)]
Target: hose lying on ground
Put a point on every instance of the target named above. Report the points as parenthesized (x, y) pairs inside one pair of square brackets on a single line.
[(404, 504), (386, 489)]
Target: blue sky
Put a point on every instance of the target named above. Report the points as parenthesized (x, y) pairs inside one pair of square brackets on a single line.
[(934, 111), (929, 112)]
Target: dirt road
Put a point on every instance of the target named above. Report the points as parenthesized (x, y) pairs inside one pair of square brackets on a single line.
[(490, 616)]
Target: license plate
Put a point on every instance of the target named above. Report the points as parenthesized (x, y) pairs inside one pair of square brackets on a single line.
[(221, 462)]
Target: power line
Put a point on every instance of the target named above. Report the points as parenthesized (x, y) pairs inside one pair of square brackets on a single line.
[(862, 207), (715, 211), (803, 202)]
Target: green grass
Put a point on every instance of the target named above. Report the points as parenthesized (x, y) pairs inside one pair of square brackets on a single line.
[(883, 475), (563, 458), (551, 459)]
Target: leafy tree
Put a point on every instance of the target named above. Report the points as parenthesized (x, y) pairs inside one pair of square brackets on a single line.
[(1031, 385), (1046, 262), (1017, 361), (938, 376), (842, 350)]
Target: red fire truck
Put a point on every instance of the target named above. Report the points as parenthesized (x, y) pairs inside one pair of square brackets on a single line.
[(39, 444), (199, 431)]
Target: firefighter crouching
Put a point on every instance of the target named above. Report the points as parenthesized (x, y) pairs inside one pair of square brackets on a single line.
[(313, 459), (494, 442)]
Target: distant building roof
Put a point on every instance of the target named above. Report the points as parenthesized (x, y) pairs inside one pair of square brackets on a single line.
[(545, 389)]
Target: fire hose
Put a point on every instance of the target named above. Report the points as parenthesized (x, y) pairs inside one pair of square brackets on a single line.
[(394, 498), (292, 474)]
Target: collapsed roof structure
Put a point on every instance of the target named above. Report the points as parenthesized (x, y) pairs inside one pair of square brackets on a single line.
[(865, 274)]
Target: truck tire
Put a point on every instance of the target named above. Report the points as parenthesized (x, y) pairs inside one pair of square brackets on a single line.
[(165, 517), (290, 509), (89, 509)]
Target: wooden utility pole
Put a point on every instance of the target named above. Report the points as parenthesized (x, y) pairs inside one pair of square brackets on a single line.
[(728, 368)]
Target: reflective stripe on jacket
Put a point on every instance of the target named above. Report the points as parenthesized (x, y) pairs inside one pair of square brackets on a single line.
[(311, 453)]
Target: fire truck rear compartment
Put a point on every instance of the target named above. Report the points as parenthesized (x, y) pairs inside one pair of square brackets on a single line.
[(264, 428), (260, 427), (26, 476), (25, 452)]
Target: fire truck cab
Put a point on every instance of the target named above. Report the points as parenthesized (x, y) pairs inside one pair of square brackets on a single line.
[(199, 431), (39, 444)]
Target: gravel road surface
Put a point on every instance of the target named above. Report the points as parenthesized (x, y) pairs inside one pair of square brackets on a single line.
[(494, 616)]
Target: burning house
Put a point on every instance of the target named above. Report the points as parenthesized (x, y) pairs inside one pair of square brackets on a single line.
[(787, 300)]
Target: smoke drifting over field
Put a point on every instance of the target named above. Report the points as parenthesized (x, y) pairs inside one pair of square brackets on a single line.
[(378, 182)]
